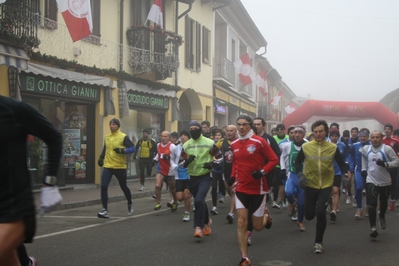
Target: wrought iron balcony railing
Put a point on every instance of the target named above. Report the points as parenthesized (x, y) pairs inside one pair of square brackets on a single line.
[(153, 49), (224, 71), (19, 20)]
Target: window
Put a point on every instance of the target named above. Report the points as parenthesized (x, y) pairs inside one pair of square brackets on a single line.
[(50, 14), (139, 12), (206, 45), (193, 44), (95, 14)]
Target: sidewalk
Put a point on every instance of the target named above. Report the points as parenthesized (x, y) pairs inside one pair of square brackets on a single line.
[(81, 195)]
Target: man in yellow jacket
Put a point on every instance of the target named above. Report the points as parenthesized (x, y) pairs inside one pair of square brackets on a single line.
[(113, 161), (317, 157)]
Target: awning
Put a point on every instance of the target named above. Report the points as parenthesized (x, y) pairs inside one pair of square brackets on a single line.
[(13, 56), (68, 75), (145, 89)]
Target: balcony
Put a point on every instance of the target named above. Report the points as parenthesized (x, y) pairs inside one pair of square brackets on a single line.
[(224, 71), (153, 50), (19, 23)]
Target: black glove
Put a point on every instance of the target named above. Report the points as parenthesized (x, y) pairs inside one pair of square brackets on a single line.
[(214, 150), (258, 174), (188, 161), (100, 162), (364, 173), (283, 174), (208, 165), (165, 157), (230, 181), (381, 163), (302, 180), (120, 150)]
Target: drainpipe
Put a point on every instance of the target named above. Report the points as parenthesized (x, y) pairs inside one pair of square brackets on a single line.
[(121, 36)]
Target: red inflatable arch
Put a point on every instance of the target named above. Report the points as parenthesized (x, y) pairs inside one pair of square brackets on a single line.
[(355, 110)]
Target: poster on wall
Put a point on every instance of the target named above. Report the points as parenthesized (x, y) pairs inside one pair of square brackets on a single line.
[(68, 162), (80, 167), (75, 116), (71, 141)]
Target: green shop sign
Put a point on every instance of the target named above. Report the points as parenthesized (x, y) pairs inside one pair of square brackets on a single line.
[(60, 88), (141, 99)]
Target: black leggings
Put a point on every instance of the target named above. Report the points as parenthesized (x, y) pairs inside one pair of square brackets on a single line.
[(145, 164), (316, 201), (373, 192), (106, 177), (217, 177)]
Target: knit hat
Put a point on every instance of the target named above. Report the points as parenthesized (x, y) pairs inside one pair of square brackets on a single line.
[(146, 130), (115, 121), (174, 134), (246, 117), (194, 123), (185, 132)]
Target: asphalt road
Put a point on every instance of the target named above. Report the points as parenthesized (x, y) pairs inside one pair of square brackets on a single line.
[(78, 237)]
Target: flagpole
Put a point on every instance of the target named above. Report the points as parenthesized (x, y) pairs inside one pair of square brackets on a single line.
[(141, 32)]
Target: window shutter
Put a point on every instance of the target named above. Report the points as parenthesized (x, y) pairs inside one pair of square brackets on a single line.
[(198, 47), (205, 45), (188, 41)]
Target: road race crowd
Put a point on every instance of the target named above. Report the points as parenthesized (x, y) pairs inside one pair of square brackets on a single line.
[(305, 173)]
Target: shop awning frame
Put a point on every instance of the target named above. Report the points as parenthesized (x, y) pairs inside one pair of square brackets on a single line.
[(145, 89), (13, 56)]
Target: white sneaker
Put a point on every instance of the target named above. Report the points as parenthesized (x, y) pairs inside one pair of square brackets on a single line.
[(214, 210), (142, 188), (130, 209), (32, 261), (103, 214), (186, 217)]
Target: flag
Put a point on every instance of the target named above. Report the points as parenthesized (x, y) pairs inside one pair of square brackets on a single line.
[(276, 98), (155, 14), (290, 108), (244, 70), (77, 16), (261, 82)]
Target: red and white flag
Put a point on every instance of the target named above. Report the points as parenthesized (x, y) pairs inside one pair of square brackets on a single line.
[(155, 14), (261, 82), (276, 98), (290, 108), (77, 16), (244, 69)]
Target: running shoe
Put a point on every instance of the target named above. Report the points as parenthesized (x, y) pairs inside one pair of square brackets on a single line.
[(295, 215), (343, 191), (186, 217), (214, 210), (249, 241), (142, 188), (383, 223), (359, 214), (392, 205), (230, 218), (333, 216), (301, 227), (354, 203), (318, 248), (169, 204), (221, 199), (130, 209), (154, 196), (174, 206), (207, 227), (348, 199), (198, 232), (275, 205), (157, 206), (245, 262), (103, 214), (32, 261), (373, 232)]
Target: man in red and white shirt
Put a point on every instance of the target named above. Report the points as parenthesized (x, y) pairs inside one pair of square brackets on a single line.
[(166, 157), (249, 171), (393, 142)]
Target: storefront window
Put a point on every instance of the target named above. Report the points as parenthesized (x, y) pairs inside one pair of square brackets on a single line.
[(71, 120), (133, 126)]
